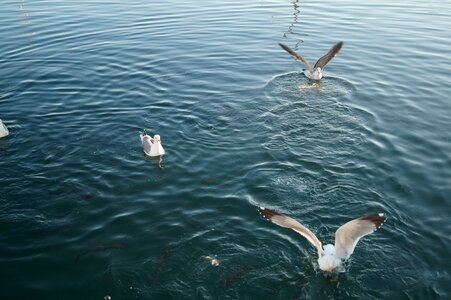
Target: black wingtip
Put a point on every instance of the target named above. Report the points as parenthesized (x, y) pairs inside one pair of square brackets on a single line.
[(285, 47), (266, 213), (261, 211), (377, 219), (338, 47)]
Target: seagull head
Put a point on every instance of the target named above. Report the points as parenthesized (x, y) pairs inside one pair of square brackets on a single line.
[(328, 262), (157, 138)]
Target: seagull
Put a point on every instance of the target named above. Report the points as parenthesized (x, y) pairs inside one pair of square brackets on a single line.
[(151, 146), (3, 130), (317, 72), (346, 237)]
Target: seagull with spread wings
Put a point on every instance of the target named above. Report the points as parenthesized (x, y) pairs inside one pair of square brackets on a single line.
[(346, 237), (317, 72)]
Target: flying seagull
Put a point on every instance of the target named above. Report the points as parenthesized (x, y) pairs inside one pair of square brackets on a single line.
[(317, 72), (346, 237)]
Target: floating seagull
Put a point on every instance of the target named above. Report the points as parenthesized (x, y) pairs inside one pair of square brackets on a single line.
[(317, 72), (346, 236), (3, 130), (151, 146)]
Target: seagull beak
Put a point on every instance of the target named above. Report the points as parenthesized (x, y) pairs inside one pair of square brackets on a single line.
[(330, 270)]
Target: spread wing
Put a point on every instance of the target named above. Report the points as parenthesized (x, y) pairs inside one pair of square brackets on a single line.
[(322, 62), (289, 50), (288, 222), (347, 236)]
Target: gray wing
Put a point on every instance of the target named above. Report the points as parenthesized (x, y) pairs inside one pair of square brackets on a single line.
[(146, 142), (322, 62), (301, 58), (288, 222), (347, 236)]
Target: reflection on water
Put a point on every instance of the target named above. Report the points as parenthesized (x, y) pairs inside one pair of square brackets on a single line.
[(25, 16), (158, 161), (311, 85), (291, 28)]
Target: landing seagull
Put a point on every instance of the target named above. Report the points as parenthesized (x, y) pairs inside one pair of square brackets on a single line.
[(317, 72), (346, 237)]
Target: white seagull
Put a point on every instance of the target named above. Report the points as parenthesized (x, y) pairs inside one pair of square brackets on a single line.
[(3, 130), (151, 146), (346, 236), (317, 72)]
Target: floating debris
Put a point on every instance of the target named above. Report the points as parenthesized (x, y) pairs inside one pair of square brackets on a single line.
[(213, 261)]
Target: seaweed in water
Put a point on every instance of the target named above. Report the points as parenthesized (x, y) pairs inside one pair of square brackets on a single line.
[(234, 276), (98, 248), (159, 265)]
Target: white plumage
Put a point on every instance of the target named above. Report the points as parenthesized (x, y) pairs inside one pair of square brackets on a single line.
[(151, 146), (3, 130), (346, 237)]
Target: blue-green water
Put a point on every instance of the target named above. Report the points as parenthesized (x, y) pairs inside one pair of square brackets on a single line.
[(83, 214)]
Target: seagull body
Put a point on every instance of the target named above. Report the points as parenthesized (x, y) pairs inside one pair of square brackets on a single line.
[(3, 130), (151, 146), (315, 73), (346, 237)]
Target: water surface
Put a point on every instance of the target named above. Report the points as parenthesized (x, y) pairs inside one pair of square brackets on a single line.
[(83, 214)]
